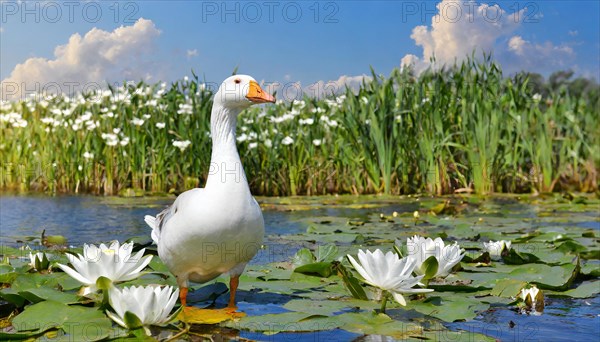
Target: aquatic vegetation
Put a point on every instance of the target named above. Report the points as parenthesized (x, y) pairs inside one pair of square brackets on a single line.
[(39, 261), (113, 262), (389, 273), (497, 248), (303, 283), (467, 128), (149, 305), (533, 300), (432, 257)]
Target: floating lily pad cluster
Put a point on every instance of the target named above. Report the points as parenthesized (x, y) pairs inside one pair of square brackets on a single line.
[(550, 253)]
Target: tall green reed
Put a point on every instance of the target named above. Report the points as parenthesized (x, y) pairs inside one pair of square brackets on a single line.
[(463, 128)]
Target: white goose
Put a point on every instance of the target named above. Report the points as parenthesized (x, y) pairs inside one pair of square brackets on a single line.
[(219, 228)]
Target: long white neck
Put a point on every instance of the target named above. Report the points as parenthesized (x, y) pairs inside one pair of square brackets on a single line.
[(225, 165)]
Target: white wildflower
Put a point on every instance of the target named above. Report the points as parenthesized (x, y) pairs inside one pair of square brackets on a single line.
[(287, 140), (182, 145), (308, 121), (137, 121)]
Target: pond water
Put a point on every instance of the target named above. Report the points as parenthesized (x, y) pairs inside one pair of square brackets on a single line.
[(87, 219)]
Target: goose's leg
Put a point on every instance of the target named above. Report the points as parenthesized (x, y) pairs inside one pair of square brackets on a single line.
[(183, 291), (234, 281)]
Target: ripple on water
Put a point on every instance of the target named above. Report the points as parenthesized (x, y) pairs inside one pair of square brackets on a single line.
[(564, 319), (88, 219)]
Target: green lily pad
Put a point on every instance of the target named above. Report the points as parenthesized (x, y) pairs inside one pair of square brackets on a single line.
[(546, 277), (326, 253), (377, 324), (585, 290), (157, 265), (77, 321), (12, 296), (318, 307), (67, 282), (8, 277), (324, 269), (519, 258), (508, 288), (303, 257), (450, 308), (36, 295), (571, 247), (4, 336), (591, 270), (35, 280)]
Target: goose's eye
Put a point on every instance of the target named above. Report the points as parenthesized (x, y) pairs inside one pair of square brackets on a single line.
[(237, 81)]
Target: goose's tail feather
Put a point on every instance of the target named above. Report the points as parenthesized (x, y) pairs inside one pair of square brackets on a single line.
[(151, 221)]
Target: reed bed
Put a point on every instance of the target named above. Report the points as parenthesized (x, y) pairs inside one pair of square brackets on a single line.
[(463, 129)]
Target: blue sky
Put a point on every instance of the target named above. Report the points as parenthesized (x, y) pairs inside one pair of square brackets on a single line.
[(274, 42)]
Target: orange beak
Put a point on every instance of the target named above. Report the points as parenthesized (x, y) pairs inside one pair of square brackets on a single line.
[(257, 95)]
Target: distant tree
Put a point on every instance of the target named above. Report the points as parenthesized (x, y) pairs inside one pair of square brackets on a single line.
[(582, 86), (537, 84), (558, 79)]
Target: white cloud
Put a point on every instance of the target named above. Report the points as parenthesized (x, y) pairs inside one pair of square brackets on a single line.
[(461, 28), (89, 61), (322, 89), (532, 55), (192, 53)]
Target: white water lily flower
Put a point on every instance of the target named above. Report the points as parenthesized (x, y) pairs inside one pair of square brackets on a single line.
[(388, 272), (33, 257), (495, 248), (151, 304), (531, 292), (534, 300), (420, 248), (114, 262), (39, 261)]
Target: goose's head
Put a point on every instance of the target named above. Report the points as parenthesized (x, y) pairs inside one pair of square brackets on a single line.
[(241, 91)]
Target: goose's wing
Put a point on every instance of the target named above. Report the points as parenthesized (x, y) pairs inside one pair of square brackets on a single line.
[(157, 223)]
